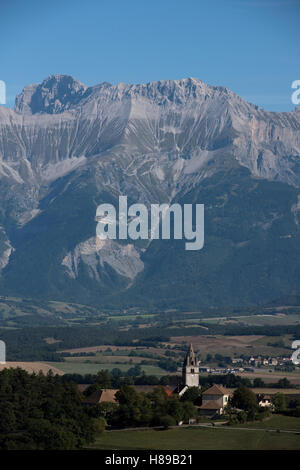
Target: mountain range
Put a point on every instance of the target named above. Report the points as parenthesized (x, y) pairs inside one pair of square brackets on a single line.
[(66, 148)]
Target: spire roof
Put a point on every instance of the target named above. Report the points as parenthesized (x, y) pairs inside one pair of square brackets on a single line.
[(190, 358)]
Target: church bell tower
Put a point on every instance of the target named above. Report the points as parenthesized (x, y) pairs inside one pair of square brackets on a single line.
[(190, 370)]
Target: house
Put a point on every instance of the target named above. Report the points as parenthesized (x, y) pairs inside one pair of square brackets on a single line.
[(236, 360), (169, 389), (265, 401), (109, 395), (214, 400), (101, 396)]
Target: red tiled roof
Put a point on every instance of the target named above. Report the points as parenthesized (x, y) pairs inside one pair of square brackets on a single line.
[(169, 390), (108, 395), (216, 390), (100, 396), (150, 388)]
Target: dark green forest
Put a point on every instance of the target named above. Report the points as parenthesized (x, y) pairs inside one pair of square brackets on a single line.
[(28, 344), (41, 412)]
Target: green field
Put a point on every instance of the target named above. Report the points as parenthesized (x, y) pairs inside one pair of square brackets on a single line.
[(217, 438), (200, 438), (255, 320), (133, 316), (284, 423), (19, 312), (82, 368)]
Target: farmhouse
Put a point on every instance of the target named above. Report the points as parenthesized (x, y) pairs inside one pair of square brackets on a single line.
[(101, 396), (214, 400), (265, 401)]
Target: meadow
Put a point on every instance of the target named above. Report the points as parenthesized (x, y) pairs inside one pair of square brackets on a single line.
[(254, 436), (92, 368)]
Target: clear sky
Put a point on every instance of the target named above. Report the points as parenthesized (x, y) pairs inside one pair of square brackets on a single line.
[(250, 46)]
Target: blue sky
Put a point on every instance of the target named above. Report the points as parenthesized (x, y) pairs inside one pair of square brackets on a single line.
[(250, 46)]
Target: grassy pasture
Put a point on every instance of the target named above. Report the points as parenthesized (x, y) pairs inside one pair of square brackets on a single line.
[(90, 368), (217, 438), (234, 345)]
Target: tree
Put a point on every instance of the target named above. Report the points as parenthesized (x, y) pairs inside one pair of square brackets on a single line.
[(116, 372), (175, 409), (284, 383), (99, 425), (279, 402), (103, 379), (159, 400), (258, 382), (92, 389), (192, 394), (165, 380), (134, 409), (189, 411), (134, 371), (126, 395), (41, 412), (166, 421), (104, 410), (245, 399), (7, 418)]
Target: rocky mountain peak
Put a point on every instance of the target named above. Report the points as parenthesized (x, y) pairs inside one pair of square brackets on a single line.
[(58, 93), (55, 94)]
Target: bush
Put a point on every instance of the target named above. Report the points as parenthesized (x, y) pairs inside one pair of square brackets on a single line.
[(167, 421), (99, 425)]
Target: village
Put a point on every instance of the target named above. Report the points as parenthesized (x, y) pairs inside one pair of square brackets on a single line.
[(213, 401), (239, 365)]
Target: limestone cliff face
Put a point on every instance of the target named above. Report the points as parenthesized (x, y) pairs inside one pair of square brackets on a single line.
[(95, 253), (154, 142)]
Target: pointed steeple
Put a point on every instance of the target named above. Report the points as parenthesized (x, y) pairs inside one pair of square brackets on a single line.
[(190, 358), (190, 369)]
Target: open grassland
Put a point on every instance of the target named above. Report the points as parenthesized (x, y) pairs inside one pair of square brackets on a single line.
[(202, 438), (116, 360), (18, 312), (280, 318), (283, 423), (273, 376), (33, 367), (92, 368), (234, 345), (111, 347), (204, 344), (295, 392)]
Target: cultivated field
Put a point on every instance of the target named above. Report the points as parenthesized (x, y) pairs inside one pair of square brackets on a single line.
[(277, 319), (92, 368), (107, 347), (32, 367), (257, 437), (234, 345)]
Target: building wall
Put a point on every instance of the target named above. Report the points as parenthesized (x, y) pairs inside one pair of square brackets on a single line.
[(222, 399), (191, 376)]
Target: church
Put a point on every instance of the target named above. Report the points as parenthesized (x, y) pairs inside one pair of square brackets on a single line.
[(190, 371), (215, 399)]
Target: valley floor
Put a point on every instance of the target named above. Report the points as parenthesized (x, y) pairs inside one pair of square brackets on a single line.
[(277, 433)]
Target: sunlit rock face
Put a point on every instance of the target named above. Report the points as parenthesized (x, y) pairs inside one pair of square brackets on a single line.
[(67, 147)]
